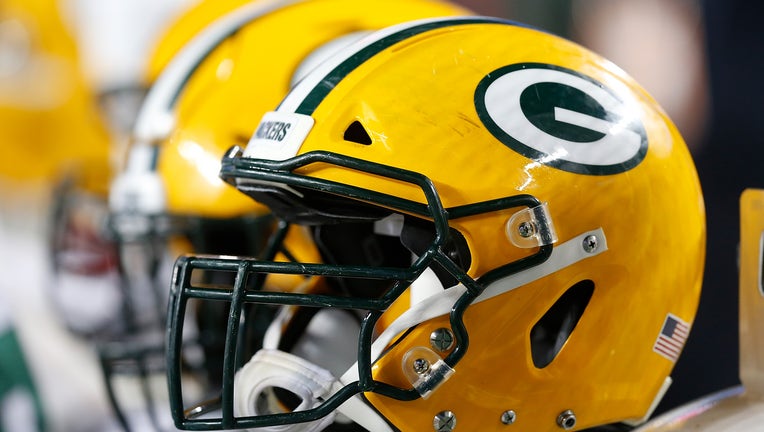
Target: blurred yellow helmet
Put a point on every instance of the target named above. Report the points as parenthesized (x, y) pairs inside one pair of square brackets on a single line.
[(237, 69), (48, 117), (516, 223), (202, 102), (187, 26), (84, 253)]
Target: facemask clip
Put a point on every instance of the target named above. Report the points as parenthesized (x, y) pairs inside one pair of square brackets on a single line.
[(425, 370), (531, 227)]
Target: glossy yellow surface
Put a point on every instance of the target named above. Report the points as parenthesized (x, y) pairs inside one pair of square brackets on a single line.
[(416, 100), (248, 75), (49, 121), (300, 245), (180, 32)]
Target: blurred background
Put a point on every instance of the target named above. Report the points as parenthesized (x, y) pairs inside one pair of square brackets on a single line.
[(73, 73)]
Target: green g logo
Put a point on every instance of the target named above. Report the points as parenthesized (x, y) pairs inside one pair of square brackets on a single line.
[(561, 118)]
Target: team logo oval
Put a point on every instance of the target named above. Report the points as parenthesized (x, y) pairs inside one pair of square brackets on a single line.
[(561, 118)]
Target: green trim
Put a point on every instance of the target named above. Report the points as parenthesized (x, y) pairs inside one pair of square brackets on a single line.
[(314, 98), (15, 375)]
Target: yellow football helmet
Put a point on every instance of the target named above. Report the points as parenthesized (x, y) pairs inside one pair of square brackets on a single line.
[(200, 106), (84, 251), (48, 117), (169, 196), (514, 226)]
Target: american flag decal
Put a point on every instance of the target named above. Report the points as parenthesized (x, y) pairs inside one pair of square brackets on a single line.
[(672, 337)]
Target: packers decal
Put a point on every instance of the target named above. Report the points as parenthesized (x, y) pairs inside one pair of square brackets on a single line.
[(279, 136), (561, 118)]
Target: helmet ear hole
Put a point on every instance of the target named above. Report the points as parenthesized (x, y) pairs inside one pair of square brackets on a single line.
[(357, 133), (551, 332)]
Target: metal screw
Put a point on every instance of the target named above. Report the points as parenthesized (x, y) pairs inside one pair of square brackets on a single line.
[(444, 421), (590, 243), (508, 417), (421, 366), (526, 229), (442, 339), (566, 420)]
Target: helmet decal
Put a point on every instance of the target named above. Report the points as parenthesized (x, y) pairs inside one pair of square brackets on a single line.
[(561, 118), (279, 136), (672, 337)]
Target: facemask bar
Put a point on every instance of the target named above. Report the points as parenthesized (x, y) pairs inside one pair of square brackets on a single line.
[(139, 359), (138, 216), (242, 170), (138, 220)]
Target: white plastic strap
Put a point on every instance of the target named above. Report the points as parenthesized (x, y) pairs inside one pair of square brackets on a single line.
[(269, 369), (564, 255), (272, 368), (272, 336), (354, 409)]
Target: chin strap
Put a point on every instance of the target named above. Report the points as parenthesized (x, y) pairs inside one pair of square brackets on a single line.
[(269, 369)]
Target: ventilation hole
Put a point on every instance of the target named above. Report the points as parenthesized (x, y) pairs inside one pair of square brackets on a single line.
[(357, 133), (553, 329)]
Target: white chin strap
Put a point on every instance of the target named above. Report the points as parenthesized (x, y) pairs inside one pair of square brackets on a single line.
[(269, 369)]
